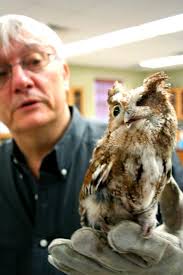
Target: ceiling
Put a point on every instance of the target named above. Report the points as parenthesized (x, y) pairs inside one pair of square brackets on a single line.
[(81, 19)]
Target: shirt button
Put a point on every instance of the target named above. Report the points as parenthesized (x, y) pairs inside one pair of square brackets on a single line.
[(21, 176), (15, 160), (43, 243), (36, 197), (63, 172)]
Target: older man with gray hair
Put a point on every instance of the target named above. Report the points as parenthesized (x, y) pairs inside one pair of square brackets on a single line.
[(42, 169)]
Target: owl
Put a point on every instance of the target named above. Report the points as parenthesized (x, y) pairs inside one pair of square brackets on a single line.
[(131, 163)]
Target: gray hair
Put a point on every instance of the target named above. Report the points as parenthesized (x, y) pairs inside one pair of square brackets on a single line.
[(28, 31)]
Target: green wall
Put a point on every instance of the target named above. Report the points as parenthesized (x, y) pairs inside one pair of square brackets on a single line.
[(176, 78), (83, 77)]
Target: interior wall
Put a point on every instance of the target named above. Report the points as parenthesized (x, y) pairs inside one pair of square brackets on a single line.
[(176, 78)]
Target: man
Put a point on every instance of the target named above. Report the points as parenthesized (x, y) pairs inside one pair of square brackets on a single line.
[(42, 168), (44, 165)]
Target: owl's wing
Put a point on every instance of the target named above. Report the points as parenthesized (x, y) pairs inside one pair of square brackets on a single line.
[(96, 175)]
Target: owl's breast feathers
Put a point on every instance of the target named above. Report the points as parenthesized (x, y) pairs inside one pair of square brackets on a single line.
[(135, 175)]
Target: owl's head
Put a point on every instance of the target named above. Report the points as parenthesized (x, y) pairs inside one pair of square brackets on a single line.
[(146, 105)]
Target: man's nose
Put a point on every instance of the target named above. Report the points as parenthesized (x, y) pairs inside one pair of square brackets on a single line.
[(20, 79)]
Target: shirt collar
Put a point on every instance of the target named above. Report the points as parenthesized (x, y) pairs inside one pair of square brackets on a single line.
[(68, 144), (65, 147)]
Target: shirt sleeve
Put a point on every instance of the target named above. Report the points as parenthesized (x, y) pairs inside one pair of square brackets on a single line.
[(177, 170)]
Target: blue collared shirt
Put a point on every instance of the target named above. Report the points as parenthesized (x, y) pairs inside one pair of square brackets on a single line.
[(50, 203)]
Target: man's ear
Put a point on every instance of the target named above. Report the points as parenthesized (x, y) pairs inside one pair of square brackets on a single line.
[(66, 76), (66, 72)]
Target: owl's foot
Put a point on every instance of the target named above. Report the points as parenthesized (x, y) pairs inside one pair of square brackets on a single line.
[(147, 229), (148, 221)]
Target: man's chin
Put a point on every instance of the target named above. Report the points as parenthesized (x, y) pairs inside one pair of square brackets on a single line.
[(29, 126)]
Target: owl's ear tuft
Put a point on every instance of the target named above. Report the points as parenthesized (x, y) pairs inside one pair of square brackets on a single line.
[(156, 82), (116, 89)]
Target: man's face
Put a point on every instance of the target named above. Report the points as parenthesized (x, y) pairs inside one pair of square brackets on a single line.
[(30, 99)]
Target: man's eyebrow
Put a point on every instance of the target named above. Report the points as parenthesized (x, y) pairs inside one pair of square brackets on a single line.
[(36, 46), (33, 47), (26, 49)]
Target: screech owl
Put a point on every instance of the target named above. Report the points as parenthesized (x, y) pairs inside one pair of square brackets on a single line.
[(132, 161)]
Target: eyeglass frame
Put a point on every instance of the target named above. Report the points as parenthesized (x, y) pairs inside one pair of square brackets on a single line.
[(23, 66)]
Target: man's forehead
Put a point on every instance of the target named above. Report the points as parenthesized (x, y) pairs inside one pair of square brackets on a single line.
[(7, 53), (17, 49)]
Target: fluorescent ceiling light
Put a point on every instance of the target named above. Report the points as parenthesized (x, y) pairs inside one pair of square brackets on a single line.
[(162, 62), (126, 36)]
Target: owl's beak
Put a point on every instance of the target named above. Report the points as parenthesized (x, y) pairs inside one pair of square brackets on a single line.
[(127, 117)]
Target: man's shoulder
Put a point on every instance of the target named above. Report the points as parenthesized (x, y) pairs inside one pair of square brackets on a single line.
[(95, 129), (177, 170)]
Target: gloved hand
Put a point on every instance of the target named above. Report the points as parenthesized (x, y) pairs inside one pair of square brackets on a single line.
[(127, 252)]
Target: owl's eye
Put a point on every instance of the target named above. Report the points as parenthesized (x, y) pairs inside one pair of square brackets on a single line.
[(116, 110)]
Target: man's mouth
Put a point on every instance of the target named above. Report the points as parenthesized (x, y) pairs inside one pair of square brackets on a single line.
[(28, 103)]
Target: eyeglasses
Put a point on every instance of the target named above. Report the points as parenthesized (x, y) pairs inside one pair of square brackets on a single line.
[(34, 62)]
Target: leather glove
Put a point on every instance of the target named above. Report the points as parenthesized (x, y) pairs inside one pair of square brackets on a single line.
[(126, 251)]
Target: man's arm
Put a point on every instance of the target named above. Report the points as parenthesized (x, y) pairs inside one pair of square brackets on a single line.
[(177, 170)]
